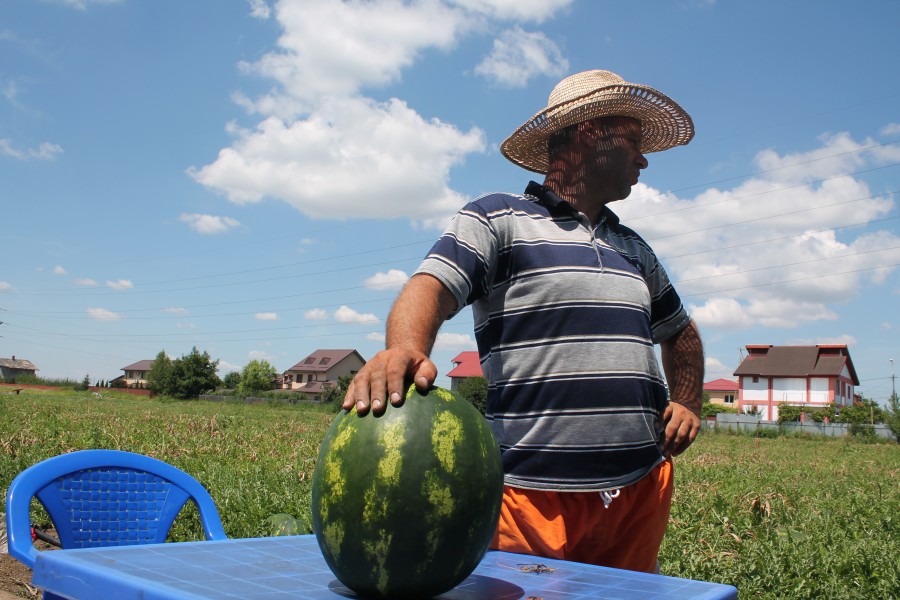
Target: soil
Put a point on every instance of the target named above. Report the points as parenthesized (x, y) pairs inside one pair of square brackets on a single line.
[(15, 580)]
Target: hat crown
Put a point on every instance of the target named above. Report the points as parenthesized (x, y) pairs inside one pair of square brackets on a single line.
[(579, 84)]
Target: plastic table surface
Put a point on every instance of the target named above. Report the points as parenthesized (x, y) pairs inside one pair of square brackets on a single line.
[(278, 568)]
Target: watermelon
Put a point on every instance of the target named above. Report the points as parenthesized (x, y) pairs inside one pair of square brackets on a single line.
[(405, 504)]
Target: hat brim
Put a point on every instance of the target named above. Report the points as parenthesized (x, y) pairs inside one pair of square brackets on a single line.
[(664, 124)]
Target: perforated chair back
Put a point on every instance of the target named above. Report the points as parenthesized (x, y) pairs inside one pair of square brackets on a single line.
[(104, 498)]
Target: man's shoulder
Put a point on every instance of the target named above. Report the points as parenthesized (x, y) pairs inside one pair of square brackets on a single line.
[(493, 202)]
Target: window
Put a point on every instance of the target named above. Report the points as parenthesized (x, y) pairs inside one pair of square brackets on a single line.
[(310, 360), (755, 379), (729, 398), (325, 360)]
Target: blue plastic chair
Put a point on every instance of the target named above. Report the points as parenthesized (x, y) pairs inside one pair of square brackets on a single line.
[(104, 498)]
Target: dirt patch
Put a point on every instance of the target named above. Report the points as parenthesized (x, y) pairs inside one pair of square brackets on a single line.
[(15, 579)]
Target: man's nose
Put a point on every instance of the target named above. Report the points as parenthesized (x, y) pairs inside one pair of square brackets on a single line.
[(642, 161)]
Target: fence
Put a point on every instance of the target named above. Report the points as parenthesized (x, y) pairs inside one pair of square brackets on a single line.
[(750, 423)]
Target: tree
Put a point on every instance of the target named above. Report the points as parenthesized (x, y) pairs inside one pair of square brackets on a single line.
[(193, 374), (474, 390), (892, 415), (257, 376), (159, 377), (232, 380), (335, 394)]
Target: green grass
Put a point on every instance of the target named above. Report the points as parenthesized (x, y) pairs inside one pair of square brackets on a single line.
[(779, 517)]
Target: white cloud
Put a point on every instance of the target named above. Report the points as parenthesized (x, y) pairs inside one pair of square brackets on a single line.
[(375, 336), (266, 316), (324, 165), (454, 341), (260, 9), (45, 151), (767, 252), (320, 143), (520, 55), (333, 48), (102, 314), (841, 340), (716, 369), (260, 355), (208, 224), (120, 284), (176, 310), (59, 270), (345, 314), (392, 280), (516, 10), (890, 129), (5, 286), (85, 282), (226, 367), (315, 314), (83, 4), (185, 326)]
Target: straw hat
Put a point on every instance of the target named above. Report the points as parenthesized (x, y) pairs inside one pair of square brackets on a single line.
[(593, 94)]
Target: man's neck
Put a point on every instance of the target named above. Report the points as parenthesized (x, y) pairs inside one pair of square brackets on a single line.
[(578, 196)]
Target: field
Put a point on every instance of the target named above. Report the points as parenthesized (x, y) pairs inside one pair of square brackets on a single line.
[(777, 517)]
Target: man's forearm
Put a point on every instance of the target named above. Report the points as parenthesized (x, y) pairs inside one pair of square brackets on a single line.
[(682, 358), (418, 314)]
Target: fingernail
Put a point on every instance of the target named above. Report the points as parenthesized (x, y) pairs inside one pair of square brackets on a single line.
[(376, 404), (361, 405), (395, 397)]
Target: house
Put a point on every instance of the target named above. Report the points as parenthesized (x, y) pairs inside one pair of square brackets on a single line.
[(10, 368), (810, 376), (321, 370), (465, 365), (721, 391), (136, 374)]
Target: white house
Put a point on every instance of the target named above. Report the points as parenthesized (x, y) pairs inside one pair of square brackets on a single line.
[(811, 376)]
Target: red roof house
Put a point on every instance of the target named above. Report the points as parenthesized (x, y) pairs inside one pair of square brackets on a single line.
[(466, 364), (721, 391)]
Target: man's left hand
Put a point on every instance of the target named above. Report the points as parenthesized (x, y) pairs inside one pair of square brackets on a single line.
[(681, 427)]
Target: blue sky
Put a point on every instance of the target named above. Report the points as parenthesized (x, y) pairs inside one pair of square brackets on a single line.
[(257, 179)]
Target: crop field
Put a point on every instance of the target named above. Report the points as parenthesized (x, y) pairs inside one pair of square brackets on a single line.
[(780, 517)]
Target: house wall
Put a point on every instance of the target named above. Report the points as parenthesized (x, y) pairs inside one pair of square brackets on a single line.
[(722, 397), (755, 391)]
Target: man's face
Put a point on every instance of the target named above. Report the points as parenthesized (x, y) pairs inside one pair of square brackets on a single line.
[(617, 161)]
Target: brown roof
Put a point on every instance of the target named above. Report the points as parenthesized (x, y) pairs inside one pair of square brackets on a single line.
[(141, 365), (18, 363), (322, 360), (797, 361)]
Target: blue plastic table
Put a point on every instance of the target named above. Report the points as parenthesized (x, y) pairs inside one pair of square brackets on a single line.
[(293, 567)]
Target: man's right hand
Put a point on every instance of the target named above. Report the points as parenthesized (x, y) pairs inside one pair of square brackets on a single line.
[(386, 377)]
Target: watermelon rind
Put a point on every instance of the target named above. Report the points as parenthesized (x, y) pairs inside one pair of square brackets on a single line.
[(405, 504)]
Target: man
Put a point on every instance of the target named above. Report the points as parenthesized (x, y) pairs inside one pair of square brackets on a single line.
[(568, 304)]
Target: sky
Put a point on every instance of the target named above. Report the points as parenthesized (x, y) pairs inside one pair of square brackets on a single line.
[(257, 179)]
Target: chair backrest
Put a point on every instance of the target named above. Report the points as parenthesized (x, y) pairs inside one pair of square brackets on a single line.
[(104, 498)]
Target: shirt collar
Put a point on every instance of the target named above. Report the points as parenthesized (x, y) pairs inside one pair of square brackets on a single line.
[(548, 198)]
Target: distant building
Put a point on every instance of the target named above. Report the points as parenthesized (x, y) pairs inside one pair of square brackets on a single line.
[(466, 364), (810, 376), (321, 370), (10, 368), (136, 374), (722, 391)]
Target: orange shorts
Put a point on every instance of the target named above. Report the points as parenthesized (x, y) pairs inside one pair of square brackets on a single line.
[(575, 525)]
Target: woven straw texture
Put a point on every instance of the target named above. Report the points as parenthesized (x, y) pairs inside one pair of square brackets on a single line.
[(593, 94)]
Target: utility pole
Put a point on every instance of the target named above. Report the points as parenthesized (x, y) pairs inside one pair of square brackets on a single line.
[(893, 388)]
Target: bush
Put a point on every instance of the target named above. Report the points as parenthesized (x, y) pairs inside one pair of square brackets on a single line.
[(711, 410)]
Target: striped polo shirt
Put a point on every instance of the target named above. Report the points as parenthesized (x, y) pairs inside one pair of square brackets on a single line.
[(566, 315)]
